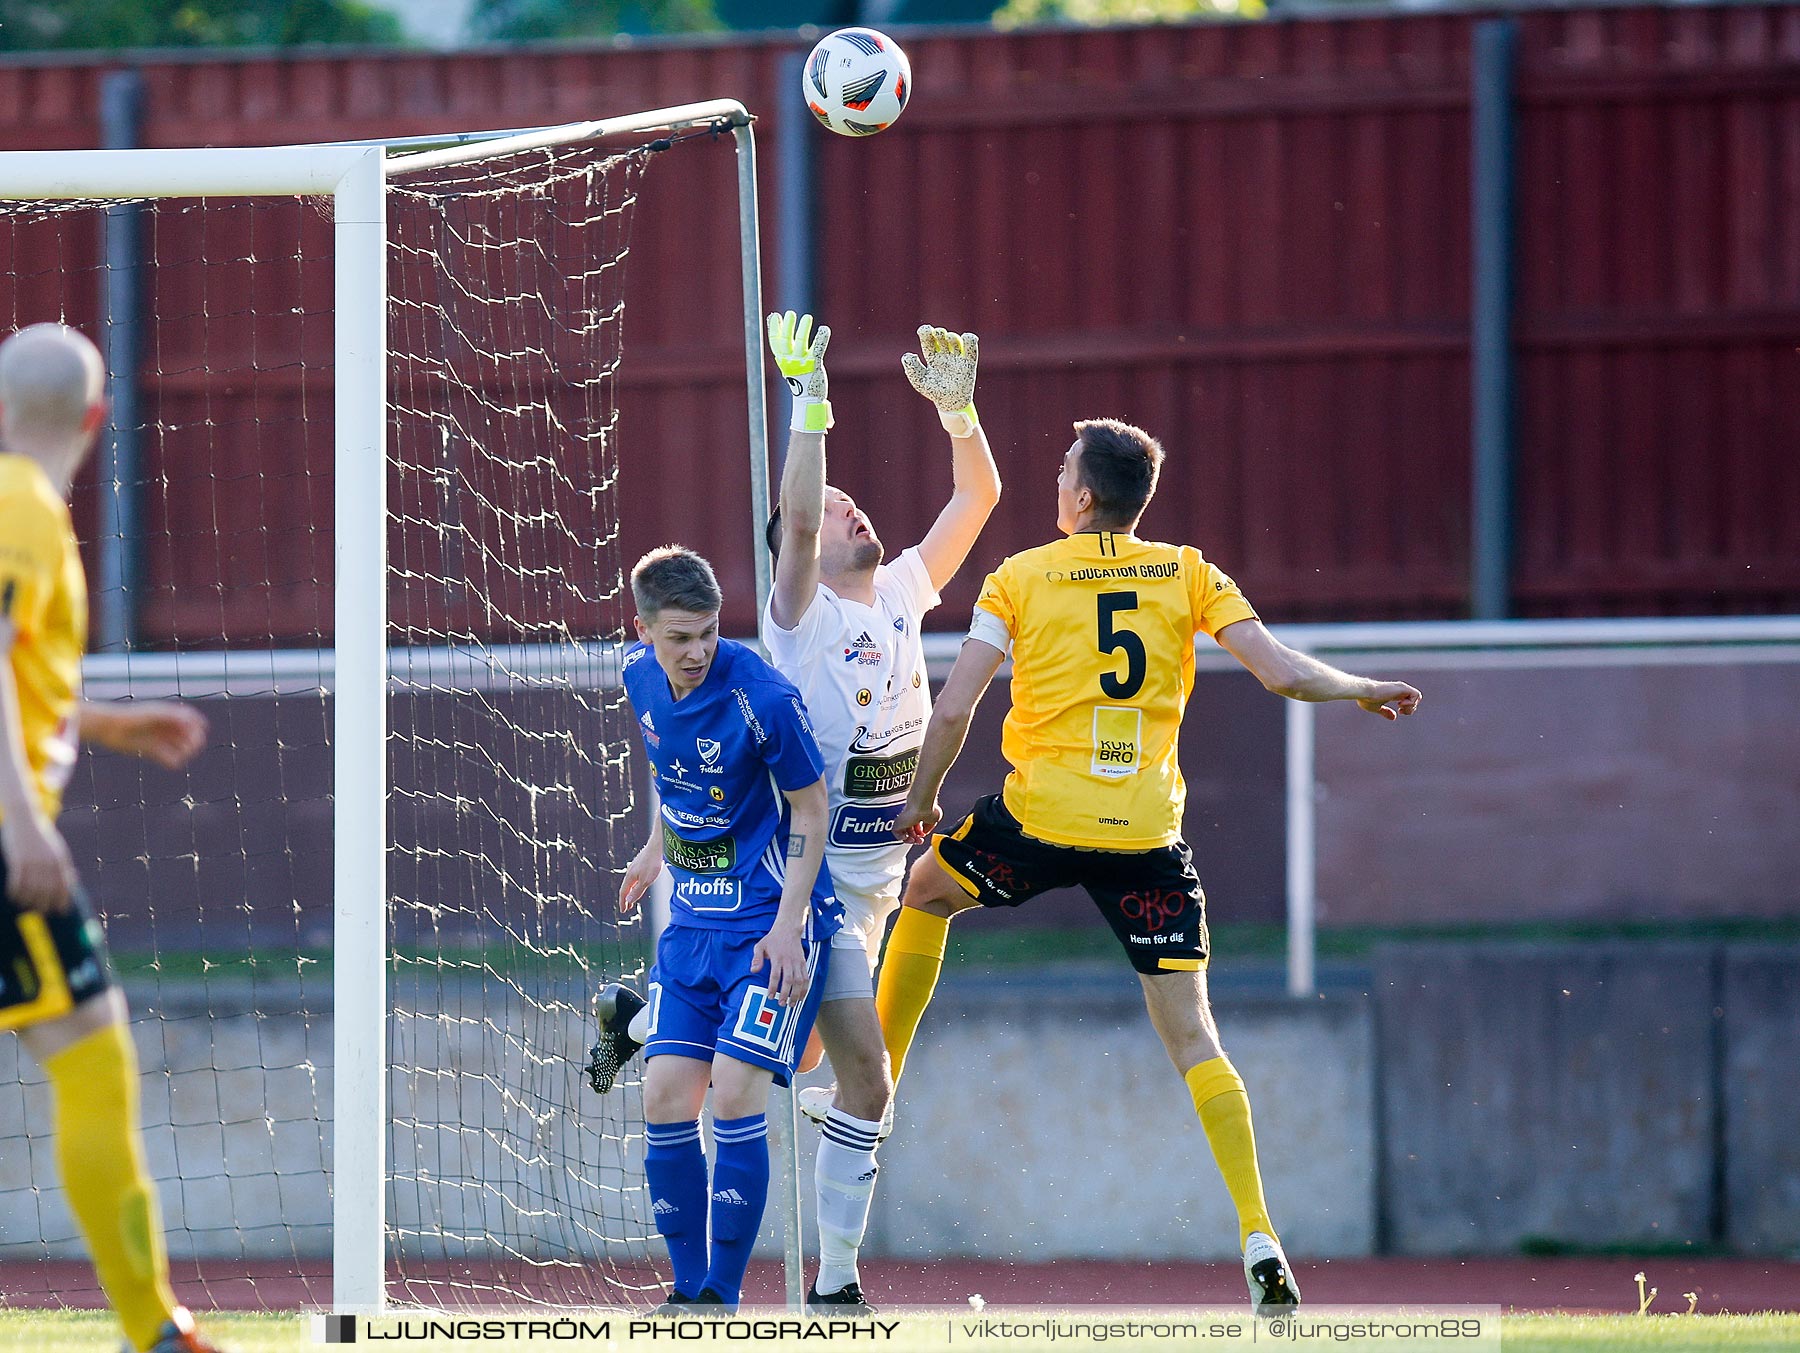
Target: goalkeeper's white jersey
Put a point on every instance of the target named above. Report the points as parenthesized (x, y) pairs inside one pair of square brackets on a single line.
[(861, 671)]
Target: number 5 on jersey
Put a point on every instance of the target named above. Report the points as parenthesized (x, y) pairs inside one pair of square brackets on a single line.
[(1119, 733)]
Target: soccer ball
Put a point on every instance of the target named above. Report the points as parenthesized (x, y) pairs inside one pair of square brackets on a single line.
[(857, 81)]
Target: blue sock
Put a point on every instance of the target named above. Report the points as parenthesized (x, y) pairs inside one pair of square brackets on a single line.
[(740, 1189), (675, 1169)]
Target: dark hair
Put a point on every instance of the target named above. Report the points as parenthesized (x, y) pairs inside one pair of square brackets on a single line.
[(1119, 465), (772, 533), (674, 578)]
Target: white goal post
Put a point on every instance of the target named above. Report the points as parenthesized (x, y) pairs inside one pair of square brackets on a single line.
[(355, 177)]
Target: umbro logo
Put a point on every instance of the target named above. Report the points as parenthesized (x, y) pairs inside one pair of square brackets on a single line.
[(731, 1196), (662, 1207)]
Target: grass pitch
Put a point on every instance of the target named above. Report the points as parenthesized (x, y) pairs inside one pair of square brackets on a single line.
[(92, 1331)]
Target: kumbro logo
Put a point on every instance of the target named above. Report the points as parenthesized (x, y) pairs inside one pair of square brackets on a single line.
[(1118, 741), (859, 826), (880, 777), (716, 856)]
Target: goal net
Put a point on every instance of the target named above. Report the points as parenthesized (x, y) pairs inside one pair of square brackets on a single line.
[(207, 529)]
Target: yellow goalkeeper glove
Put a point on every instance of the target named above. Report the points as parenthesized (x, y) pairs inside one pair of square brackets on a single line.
[(801, 358), (947, 376)]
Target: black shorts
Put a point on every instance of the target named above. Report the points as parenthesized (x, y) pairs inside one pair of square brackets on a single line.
[(1151, 898), (48, 964)]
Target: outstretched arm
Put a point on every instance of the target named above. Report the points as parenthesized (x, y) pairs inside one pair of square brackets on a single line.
[(946, 376), (164, 731), (951, 712), (1298, 676), (801, 359)]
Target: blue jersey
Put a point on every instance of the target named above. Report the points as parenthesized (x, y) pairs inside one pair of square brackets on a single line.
[(722, 757)]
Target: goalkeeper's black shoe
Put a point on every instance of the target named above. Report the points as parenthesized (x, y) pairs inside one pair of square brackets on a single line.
[(614, 1008), (847, 1300), (1271, 1280)]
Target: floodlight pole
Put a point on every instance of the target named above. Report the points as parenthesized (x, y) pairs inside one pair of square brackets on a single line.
[(359, 746)]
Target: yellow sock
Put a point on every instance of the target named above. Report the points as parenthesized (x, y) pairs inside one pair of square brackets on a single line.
[(909, 973), (1224, 1111), (99, 1151)]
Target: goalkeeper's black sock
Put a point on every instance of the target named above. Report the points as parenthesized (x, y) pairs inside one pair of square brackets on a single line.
[(740, 1189), (675, 1169)]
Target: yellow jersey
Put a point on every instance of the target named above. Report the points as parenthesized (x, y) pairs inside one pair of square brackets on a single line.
[(1102, 627), (43, 593)]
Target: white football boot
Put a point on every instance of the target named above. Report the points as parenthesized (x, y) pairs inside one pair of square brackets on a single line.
[(1273, 1291), (815, 1103)]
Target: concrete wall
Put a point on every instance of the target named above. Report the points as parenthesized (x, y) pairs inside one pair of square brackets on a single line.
[(236, 1112), (1760, 1094), (1545, 1093), (1041, 1120), (1613, 1095)]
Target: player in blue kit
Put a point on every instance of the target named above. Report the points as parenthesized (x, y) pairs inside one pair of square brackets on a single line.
[(741, 966)]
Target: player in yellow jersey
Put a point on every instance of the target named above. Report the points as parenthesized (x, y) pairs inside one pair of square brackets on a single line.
[(56, 987), (1101, 628)]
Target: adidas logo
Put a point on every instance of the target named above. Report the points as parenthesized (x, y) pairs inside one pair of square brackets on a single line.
[(662, 1207), (649, 723), (731, 1196)]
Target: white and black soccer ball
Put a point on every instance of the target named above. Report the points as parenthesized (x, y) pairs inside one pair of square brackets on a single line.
[(857, 81)]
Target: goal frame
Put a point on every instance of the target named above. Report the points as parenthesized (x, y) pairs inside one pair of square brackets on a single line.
[(354, 175)]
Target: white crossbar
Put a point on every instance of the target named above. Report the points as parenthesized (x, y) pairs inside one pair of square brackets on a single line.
[(261, 171)]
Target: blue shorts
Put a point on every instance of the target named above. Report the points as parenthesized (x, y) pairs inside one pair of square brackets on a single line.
[(704, 1000)]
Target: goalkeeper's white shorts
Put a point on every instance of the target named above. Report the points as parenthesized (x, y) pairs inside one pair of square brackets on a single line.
[(855, 947)]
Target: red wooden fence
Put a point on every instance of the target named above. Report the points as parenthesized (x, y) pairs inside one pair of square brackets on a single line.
[(1251, 239)]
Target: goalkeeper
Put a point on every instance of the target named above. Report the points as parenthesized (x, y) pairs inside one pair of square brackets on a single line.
[(56, 986), (844, 627)]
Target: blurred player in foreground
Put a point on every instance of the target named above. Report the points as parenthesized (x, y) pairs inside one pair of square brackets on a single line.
[(1101, 629), (743, 961), (56, 984), (844, 627)]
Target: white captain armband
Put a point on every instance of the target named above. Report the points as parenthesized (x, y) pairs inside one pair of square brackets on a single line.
[(990, 629)]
